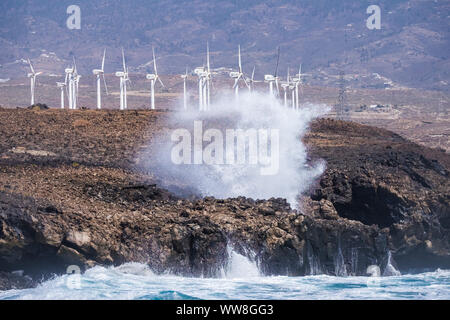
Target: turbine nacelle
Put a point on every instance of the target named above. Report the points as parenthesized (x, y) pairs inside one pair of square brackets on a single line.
[(269, 78), (60, 84), (97, 72), (151, 76), (199, 71), (235, 74), (120, 74), (69, 70)]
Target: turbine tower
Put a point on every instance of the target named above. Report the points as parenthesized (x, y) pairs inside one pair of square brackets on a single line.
[(153, 77), (238, 75), (32, 77), (123, 75), (184, 77), (100, 73)]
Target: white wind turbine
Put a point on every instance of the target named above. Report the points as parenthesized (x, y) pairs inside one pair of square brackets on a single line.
[(123, 75), (75, 85), (153, 77), (252, 81), (63, 87), (271, 79), (238, 75), (100, 73), (204, 83), (184, 77), (69, 85), (201, 74), (32, 77), (298, 82), (285, 86)]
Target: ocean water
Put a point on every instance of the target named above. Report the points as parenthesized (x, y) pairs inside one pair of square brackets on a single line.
[(241, 280)]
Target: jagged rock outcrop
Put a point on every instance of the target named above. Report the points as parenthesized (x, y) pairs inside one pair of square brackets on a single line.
[(378, 178)]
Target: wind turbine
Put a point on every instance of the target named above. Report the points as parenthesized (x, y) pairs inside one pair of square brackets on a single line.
[(100, 73), (204, 83), (184, 77), (238, 75), (75, 85), (123, 75), (201, 74), (271, 79), (297, 82), (63, 87), (32, 77), (153, 77), (252, 80), (286, 86), (69, 84)]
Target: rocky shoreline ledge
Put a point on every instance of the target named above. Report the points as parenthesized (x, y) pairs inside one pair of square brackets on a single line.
[(72, 193)]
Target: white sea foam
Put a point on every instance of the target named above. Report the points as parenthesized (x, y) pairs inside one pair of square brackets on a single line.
[(135, 281), (252, 111)]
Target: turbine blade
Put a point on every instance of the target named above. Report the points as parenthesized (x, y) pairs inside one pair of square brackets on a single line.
[(245, 81), (31, 66), (207, 57), (74, 65), (240, 60), (154, 62), (123, 61), (106, 87), (160, 81), (253, 74), (103, 61), (235, 83), (278, 61)]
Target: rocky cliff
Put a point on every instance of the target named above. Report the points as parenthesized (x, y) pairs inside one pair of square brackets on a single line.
[(72, 193)]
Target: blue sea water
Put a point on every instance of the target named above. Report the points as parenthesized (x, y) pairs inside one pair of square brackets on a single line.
[(135, 281)]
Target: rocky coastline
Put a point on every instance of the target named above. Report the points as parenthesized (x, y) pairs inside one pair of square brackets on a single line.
[(72, 193)]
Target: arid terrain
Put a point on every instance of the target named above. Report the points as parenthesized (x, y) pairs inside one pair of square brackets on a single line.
[(73, 191), (418, 115)]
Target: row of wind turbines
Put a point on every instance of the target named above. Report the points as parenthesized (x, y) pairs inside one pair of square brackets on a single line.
[(70, 86)]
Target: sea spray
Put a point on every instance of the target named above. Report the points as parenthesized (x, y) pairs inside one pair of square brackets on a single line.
[(390, 269), (239, 266), (261, 119)]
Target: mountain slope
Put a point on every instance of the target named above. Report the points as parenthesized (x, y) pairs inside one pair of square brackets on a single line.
[(411, 49)]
